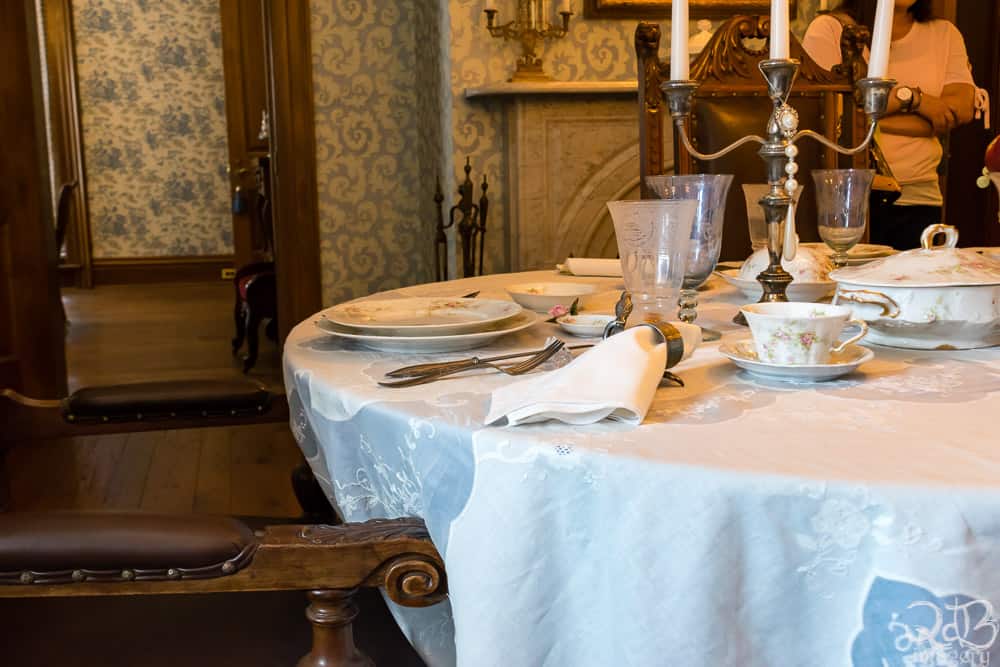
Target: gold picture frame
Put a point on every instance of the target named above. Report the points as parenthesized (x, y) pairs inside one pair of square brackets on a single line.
[(660, 9)]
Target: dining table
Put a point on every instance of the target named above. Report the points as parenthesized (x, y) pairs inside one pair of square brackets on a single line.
[(746, 521)]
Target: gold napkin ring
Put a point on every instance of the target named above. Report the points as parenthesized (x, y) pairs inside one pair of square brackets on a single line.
[(669, 334)]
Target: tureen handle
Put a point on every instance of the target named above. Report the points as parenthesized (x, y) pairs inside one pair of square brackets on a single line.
[(950, 237)]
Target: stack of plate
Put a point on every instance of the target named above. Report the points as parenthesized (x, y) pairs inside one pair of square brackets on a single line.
[(425, 324)]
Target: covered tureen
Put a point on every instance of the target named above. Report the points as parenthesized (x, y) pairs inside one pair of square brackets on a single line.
[(933, 298)]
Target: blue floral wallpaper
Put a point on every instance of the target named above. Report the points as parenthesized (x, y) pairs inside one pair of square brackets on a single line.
[(379, 120), (152, 104)]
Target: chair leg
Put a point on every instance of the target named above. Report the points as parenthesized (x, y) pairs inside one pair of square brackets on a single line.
[(253, 324), (240, 319), (331, 613)]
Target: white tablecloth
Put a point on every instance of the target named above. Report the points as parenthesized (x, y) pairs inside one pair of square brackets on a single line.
[(746, 522)]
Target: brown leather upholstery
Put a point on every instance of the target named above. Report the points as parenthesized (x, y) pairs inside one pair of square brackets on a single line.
[(732, 102), (166, 400), (56, 547)]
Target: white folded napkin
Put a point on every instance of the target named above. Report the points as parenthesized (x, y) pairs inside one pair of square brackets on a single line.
[(614, 380), (594, 266)]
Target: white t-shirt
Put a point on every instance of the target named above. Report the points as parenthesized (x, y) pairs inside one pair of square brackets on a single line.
[(931, 56)]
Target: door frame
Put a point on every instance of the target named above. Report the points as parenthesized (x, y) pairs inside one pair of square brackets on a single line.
[(294, 202)]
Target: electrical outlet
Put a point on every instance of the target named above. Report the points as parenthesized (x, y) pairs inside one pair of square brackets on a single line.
[(228, 274)]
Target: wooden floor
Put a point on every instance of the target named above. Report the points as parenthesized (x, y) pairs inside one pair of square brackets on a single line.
[(121, 334), (134, 333), (242, 470)]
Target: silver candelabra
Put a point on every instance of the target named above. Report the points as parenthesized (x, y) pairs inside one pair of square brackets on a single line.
[(778, 150)]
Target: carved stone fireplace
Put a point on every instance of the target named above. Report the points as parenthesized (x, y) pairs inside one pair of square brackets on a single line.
[(570, 148)]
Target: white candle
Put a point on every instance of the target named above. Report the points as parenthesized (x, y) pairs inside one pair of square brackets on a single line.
[(490, 4), (878, 61), (679, 58), (779, 29), (566, 6)]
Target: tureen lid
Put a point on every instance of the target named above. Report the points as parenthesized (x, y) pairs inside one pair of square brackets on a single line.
[(929, 266)]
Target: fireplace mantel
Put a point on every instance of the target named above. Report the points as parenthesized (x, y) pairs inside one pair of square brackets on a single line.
[(624, 88), (569, 148)]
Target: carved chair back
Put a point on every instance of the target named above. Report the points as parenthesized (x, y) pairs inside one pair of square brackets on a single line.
[(732, 102)]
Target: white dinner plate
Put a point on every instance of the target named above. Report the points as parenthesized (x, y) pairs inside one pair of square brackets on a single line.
[(421, 316), (797, 291), (742, 353), (430, 344)]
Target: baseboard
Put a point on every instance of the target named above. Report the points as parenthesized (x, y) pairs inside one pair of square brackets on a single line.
[(130, 270)]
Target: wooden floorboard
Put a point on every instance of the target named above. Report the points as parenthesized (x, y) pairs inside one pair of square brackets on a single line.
[(135, 333), (212, 494), (173, 473)]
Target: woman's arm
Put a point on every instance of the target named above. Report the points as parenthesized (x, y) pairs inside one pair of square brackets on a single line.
[(906, 125), (961, 99)]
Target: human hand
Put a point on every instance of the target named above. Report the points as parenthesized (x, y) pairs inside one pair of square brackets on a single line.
[(941, 116)]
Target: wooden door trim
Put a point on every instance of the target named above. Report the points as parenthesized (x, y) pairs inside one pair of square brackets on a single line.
[(293, 149), (67, 135), (31, 328)]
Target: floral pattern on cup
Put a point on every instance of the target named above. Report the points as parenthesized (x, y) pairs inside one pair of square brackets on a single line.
[(798, 333)]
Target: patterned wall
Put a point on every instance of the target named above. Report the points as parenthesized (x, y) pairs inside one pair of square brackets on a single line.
[(154, 127), (391, 116), (378, 131), (593, 51)]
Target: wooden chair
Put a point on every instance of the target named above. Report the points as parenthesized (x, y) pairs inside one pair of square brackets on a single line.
[(732, 102), (98, 554), (256, 295)]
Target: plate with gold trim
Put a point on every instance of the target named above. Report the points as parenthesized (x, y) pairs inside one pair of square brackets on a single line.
[(421, 316), (742, 353)]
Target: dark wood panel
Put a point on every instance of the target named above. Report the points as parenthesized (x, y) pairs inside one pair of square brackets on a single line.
[(243, 58), (31, 329), (972, 210), (132, 270), (67, 144), (293, 166)]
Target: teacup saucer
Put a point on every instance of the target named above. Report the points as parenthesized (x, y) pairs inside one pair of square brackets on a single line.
[(742, 353)]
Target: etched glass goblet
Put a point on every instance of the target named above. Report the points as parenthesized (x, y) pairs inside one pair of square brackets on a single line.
[(710, 191), (653, 237), (842, 208)]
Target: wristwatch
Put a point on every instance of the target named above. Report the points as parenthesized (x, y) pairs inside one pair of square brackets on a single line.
[(909, 98)]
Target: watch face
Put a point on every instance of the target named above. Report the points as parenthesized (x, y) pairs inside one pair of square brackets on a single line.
[(904, 94)]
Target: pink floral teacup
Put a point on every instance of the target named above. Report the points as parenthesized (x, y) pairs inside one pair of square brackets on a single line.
[(799, 333)]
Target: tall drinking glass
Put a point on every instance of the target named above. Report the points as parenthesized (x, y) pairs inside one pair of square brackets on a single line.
[(754, 192), (653, 238), (710, 191), (842, 207)]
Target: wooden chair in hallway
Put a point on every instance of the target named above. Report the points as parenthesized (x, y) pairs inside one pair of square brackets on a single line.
[(731, 102), (256, 295)]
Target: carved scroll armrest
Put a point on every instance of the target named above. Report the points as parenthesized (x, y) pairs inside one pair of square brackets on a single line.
[(396, 554)]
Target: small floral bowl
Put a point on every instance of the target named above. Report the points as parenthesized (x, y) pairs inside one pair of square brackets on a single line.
[(585, 326), (795, 333)]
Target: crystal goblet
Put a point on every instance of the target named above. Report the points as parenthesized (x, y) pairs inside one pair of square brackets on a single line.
[(842, 207), (710, 191), (653, 237)]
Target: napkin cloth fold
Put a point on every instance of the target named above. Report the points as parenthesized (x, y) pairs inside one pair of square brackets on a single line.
[(615, 380)]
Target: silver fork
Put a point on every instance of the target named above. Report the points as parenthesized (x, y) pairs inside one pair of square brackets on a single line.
[(519, 368)]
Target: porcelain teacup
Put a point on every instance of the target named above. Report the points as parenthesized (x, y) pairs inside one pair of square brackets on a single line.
[(792, 333)]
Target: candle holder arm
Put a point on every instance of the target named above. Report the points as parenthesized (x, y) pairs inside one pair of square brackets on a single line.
[(834, 145), (682, 131)]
